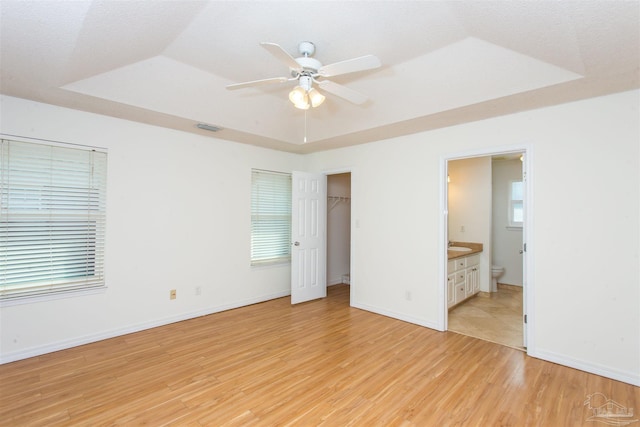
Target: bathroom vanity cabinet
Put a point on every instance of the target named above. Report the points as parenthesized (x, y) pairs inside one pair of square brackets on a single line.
[(463, 278)]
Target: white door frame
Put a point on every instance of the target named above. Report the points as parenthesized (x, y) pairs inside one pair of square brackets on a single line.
[(352, 279), (528, 296)]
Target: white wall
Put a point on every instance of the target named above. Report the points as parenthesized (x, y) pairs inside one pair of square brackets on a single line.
[(585, 185), (177, 217), (506, 242), (586, 314), (338, 228), (469, 192)]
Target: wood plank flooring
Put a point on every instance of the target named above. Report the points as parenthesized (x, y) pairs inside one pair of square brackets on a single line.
[(321, 363), (495, 316)]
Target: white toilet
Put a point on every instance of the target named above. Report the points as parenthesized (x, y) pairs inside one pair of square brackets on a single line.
[(496, 271)]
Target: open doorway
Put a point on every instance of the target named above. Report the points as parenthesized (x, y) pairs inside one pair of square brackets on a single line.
[(486, 291), (339, 229)]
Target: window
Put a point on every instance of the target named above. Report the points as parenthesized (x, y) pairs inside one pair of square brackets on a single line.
[(52, 219), (270, 217), (516, 206)]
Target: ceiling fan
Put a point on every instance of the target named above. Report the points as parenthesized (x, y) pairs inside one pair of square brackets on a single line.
[(307, 71)]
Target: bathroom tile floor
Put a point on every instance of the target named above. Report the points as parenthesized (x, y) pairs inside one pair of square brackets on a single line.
[(495, 317)]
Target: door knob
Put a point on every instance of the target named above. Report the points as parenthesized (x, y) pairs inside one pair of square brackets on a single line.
[(296, 243), (520, 251)]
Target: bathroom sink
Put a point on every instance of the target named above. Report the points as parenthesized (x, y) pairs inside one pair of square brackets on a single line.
[(458, 249)]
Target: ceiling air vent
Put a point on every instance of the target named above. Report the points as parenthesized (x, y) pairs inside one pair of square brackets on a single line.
[(208, 127)]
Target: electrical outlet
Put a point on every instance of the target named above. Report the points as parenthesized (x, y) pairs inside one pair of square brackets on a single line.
[(198, 290), (407, 295), (172, 294)]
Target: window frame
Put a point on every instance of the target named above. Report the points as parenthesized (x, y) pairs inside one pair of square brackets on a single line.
[(50, 188), (270, 213), (511, 206)]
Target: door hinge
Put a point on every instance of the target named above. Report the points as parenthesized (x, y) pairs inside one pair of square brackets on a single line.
[(525, 247), (525, 318)]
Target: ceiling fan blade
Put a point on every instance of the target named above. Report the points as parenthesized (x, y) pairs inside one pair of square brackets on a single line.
[(362, 63), (282, 55), (343, 92), (257, 83)]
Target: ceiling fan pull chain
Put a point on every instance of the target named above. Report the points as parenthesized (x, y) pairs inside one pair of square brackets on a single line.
[(305, 126)]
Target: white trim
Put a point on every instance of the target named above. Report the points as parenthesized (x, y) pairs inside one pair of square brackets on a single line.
[(337, 171), (334, 281), (592, 368), (52, 296), (442, 323), (339, 280), (395, 315), (527, 149), (528, 240), (65, 344), (349, 170)]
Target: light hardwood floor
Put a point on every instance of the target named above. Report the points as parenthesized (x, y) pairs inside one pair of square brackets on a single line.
[(495, 317), (319, 363)]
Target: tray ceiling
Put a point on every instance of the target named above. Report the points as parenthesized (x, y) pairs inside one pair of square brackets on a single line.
[(444, 63)]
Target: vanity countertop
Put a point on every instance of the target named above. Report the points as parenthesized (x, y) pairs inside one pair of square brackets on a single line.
[(475, 248)]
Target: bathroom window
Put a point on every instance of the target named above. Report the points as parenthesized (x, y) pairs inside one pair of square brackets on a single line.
[(52, 220), (516, 205), (270, 217)]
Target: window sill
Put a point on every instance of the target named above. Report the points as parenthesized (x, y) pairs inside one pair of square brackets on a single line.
[(514, 227), (267, 264), (31, 299)]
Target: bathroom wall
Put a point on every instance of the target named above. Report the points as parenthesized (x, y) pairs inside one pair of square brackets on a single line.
[(506, 242), (338, 228), (469, 192)]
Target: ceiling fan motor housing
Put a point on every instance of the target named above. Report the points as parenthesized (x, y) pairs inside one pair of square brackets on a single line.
[(309, 64)]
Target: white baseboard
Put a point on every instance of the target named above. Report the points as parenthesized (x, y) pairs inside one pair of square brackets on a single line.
[(592, 368), (338, 280), (65, 344), (395, 315), (603, 371)]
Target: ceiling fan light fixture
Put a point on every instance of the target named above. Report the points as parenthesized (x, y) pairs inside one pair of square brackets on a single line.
[(304, 104), (315, 97), (297, 95)]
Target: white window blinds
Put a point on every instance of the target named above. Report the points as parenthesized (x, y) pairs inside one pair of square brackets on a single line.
[(270, 217), (52, 219), (516, 205)]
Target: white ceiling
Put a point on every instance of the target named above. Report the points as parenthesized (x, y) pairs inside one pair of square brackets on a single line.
[(167, 62)]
